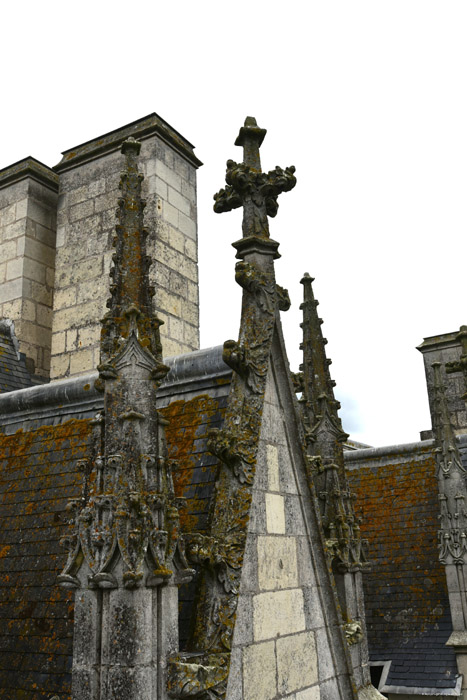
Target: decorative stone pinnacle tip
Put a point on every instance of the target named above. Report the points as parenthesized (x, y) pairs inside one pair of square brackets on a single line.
[(307, 279), (251, 131), (131, 145)]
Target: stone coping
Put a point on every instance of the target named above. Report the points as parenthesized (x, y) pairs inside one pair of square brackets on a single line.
[(143, 128), (444, 340), (29, 167)]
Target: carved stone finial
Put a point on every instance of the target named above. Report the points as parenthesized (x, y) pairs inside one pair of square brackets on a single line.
[(249, 187)]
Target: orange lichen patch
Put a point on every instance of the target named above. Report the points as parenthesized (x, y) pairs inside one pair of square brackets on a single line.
[(196, 469), (37, 477), (405, 590)]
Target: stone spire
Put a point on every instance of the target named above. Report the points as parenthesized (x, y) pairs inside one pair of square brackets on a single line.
[(236, 444), (324, 439), (125, 552)]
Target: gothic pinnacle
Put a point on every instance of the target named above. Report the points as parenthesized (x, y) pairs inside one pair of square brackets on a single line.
[(130, 303)]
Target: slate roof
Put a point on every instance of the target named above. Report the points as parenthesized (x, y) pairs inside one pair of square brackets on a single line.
[(406, 598), (13, 372), (37, 477)]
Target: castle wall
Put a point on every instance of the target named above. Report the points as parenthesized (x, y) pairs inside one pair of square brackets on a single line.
[(28, 200), (86, 226)]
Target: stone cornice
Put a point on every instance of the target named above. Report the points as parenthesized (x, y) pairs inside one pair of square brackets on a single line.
[(32, 168), (112, 141)]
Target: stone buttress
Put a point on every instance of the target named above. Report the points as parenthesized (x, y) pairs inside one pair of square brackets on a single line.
[(125, 553), (324, 438), (452, 535)]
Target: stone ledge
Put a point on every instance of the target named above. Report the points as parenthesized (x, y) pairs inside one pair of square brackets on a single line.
[(29, 167), (112, 141)]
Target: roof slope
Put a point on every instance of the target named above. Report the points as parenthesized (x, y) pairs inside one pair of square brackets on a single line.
[(38, 475), (406, 597), (13, 372)]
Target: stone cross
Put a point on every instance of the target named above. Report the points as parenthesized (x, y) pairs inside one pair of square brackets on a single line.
[(249, 187)]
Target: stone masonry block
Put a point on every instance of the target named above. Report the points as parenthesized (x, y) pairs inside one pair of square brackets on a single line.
[(189, 191), (168, 302), (89, 335), (191, 249), (21, 209), (235, 682), (81, 361), (40, 252), (275, 514), (170, 214), (259, 672), (167, 174), (65, 297), (34, 270), (325, 658), (293, 515), (71, 339), (278, 613), (59, 366), (277, 563), (128, 625), (14, 269), (42, 214), (2, 273), (7, 251), (58, 342), (191, 335), (14, 230), (309, 694), (187, 225), (20, 245), (297, 665), (179, 201), (42, 294), (272, 457), (44, 316), (46, 236), (190, 313), (177, 240), (243, 633), (76, 316), (12, 290), (8, 215), (29, 310), (82, 211)]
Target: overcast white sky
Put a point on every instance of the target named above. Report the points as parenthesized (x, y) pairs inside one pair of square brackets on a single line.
[(366, 98)]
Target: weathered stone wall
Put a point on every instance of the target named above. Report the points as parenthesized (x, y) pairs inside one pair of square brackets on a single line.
[(85, 229), (281, 647), (27, 256)]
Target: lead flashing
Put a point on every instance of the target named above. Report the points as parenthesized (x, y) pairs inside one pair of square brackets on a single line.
[(144, 128)]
